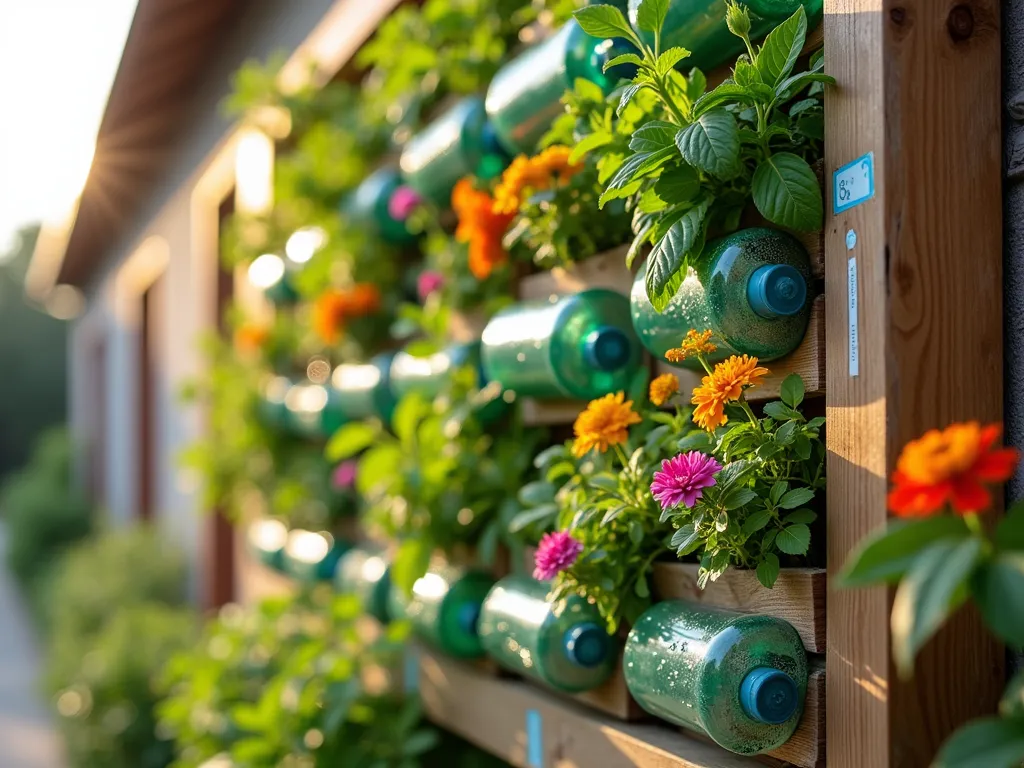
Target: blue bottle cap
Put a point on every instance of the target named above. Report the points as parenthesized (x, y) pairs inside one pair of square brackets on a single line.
[(607, 348), (467, 617), (586, 645), (769, 695), (776, 290)]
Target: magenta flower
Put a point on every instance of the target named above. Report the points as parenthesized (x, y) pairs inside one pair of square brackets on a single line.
[(683, 478), (345, 475), (429, 282), (556, 552), (403, 202)]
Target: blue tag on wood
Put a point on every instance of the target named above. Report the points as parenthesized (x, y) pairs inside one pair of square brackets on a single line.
[(854, 183), (534, 740)]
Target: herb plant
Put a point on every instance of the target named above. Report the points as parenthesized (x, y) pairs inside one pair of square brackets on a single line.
[(692, 170)]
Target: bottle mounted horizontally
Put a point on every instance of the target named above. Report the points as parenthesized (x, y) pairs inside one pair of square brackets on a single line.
[(525, 96), (312, 555), (461, 142), (564, 645), (750, 289), (366, 573), (699, 27), (266, 539), (740, 679), (577, 346), (444, 608), (314, 410), (364, 391), (369, 205)]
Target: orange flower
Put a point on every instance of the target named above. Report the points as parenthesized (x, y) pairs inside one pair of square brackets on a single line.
[(363, 299), (604, 423), (481, 227), (527, 175), (250, 338), (950, 466), (693, 345), (663, 387), (329, 314), (725, 385)]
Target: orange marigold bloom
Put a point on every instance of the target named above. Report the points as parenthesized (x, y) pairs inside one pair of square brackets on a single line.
[(604, 423), (250, 338), (951, 466), (725, 385), (526, 175), (481, 227), (363, 299), (663, 387), (329, 314), (694, 344)]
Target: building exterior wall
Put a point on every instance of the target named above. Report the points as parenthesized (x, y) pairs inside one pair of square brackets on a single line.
[(162, 242), (1013, 229)]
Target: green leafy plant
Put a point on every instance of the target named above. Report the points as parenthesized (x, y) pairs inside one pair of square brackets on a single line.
[(442, 480), (694, 167), (939, 562)]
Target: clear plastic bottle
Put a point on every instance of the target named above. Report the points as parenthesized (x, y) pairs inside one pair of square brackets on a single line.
[(366, 573), (750, 289), (699, 27), (564, 645), (429, 375), (460, 142), (266, 539), (525, 96), (578, 346), (368, 205), (444, 608), (314, 411), (740, 679), (312, 555), (363, 391)]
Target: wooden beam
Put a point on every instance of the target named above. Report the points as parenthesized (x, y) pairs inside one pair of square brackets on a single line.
[(918, 86)]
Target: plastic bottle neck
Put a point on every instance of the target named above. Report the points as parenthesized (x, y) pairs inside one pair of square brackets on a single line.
[(586, 645), (776, 290), (468, 616), (769, 695), (607, 348)]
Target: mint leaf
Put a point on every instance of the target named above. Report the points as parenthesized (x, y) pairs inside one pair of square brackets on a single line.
[(696, 84), (792, 390), (777, 56), (723, 94), (768, 570), (652, 136), (786, 192), (589, 142), (668, 60), (624, 58), (796, 497), (989, 741), (350, 440), (650, 14), (670, 256), (756, 521), (794, 539), (678, 185), (604, 21), (712, 144), (999, 593), (886, 556)]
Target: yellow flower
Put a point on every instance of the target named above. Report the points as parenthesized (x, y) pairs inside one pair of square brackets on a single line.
[(527, 175), (694, 344), (663, 387), (725, 385), (604, 423)]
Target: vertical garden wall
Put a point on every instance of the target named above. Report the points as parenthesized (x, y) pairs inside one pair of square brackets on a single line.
[(567, 319)]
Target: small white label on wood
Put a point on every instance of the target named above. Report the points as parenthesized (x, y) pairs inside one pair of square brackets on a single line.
[(853, 183), (852, 307)]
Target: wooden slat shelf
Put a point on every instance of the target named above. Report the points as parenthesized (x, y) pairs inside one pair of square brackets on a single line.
[(797, 597)]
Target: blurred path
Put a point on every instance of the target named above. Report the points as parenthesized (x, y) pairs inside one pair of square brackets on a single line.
[(28, 736)]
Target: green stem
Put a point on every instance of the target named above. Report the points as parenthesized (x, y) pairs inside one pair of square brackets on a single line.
[(622, 455), (750, 414), (704, 363), (974, 524), (668, 101)]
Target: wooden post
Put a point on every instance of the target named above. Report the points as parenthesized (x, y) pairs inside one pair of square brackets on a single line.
[(919, 84)]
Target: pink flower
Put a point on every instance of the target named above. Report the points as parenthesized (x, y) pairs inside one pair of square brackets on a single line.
[(345, 474), (429, 282), (556, 552), (403, 202), (683, 478)]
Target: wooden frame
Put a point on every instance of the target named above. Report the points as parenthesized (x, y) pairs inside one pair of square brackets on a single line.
[(918, 86)]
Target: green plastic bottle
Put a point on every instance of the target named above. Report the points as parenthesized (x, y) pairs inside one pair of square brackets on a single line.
[(740, 679), (524, 98), (363, 391), (266, 539), (578, 346), (563, 645), (461, 142), (312, 555), (750, 289), (314, 411), (429, 375), (444, 608), (368, 204), (699, 27), (366, 573)]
